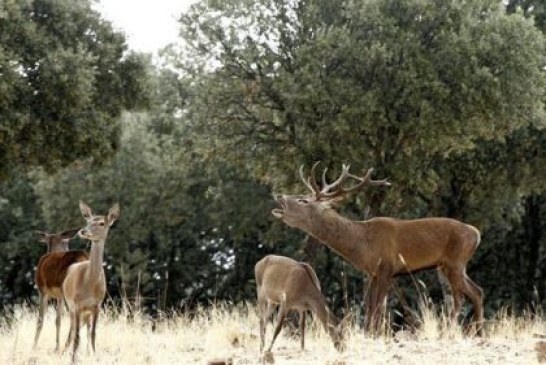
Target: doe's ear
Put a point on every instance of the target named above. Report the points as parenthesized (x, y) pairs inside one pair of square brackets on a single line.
[(42, 236), (86, 211), (113, 214)]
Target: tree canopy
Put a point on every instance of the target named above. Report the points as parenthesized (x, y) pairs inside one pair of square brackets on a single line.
[(66, 78)]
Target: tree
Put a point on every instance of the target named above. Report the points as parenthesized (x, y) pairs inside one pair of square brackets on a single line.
[(66, 78), (390, 84)]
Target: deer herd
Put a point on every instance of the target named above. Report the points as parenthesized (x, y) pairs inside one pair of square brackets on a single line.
[(381, 247)]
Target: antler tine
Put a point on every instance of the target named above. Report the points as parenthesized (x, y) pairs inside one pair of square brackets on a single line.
[(366, 180), (327, 187), (312, 180), (305, 181), (324, 183)]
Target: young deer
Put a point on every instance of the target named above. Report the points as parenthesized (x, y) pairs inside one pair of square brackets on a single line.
[(85, 285), (50, 274), (292, 285), (385, 247)]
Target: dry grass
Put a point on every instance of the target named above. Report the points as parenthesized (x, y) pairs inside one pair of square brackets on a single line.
[(222, 333)]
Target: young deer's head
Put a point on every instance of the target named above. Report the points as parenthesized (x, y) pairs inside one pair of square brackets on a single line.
[(97, 225), (303, 211), (57, 242), (337, 333)]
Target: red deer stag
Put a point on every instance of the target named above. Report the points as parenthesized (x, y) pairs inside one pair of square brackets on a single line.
[(292, 285), (85, 285), (385, 247), (50, 274)]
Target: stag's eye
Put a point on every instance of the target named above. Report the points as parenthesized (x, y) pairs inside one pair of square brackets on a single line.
[(303, 201)]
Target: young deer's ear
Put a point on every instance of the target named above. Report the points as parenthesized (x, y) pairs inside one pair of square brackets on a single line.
[(69, 234), (86, 211), (42, 236), (113, 214)]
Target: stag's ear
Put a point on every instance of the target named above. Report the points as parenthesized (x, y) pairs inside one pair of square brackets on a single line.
[(113, 214), (86, 211), (69, 234), (42, 236)]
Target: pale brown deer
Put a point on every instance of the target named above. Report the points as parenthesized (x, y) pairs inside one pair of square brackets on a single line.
[(50, 274), (292, 285), (385, 247), (85, 285)]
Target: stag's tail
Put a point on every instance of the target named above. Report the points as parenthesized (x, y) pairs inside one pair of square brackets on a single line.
[(478, 235)]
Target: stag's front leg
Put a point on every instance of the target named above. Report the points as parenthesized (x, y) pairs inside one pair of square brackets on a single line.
[(370, 297)]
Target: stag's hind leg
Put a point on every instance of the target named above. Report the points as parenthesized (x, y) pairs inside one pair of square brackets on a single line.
[(475, 293)]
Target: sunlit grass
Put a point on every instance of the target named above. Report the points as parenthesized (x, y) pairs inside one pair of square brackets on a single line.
[(232, 332)]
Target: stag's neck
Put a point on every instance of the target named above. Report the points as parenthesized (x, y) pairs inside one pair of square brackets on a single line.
[(337, 232), (96, 259)]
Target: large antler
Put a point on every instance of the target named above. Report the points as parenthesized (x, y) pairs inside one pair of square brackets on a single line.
[(326, 190)]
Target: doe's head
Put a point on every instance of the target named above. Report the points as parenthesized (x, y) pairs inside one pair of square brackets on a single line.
[(97, 225), (57, 242)]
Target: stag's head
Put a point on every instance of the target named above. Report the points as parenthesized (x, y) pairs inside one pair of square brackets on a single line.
[(57, 242), (302, 211), (97, 225)]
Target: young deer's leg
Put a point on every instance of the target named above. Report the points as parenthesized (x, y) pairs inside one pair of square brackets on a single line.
[(95, 317), (43, 305), (302, 328), (266, 310), (76, 335), (280, 318), (70, 331), (58, 322)]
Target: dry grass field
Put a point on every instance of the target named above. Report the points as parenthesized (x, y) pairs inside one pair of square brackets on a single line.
[(223, 332)]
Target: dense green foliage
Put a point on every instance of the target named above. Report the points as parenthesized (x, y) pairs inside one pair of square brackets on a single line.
[(65, 78), (444, 98)]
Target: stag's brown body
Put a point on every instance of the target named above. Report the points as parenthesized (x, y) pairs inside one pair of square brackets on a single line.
[(385, 247), (292, 285)]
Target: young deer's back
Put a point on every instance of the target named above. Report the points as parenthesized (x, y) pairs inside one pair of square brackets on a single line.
[(281, 278)]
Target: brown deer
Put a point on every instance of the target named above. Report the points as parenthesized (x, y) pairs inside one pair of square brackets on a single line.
[(50, 273), (385, 247), (294, 286), (85, 285)]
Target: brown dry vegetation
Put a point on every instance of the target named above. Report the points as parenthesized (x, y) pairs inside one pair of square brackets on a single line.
[(225, 332)]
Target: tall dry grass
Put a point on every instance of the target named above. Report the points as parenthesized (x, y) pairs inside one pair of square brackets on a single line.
[(232, 332)]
